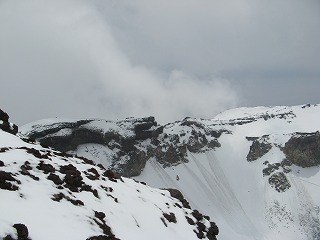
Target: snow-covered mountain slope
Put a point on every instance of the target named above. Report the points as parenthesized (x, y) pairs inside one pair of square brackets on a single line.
[(47, 194), (255, 171)]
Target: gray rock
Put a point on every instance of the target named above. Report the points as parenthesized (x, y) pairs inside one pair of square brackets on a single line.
[(303, 149)]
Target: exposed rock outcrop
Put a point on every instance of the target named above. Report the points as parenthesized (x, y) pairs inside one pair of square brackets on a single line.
[(259, 147), (283, 166), (5, 125), (132, 141), (303, 149), (121, 136), (279, 182), (175, 193), (66, 136), (276, 171), (171, 147)]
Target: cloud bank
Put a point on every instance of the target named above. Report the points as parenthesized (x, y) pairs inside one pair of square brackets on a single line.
[(61, 59), (171, 59), (267, 49)]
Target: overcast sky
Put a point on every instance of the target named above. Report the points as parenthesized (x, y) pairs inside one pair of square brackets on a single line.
[(167, 58)]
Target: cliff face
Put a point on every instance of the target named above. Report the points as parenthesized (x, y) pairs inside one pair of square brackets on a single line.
[(120, 136), (303, 149), (132, 141)]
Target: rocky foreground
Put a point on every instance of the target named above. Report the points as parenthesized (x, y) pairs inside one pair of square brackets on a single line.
[(48, 194)]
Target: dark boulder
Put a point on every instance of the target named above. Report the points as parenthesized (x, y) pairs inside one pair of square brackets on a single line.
[(7, 181), (5, 125), (22, 231)]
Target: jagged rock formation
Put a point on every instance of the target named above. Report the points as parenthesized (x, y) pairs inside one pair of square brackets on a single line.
[(5, 125), (170, 148)]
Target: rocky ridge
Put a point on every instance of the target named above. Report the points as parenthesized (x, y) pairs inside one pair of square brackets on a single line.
[(132, 141)]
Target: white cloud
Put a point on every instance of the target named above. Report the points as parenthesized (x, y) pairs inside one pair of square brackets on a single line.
[(267, 49), (171, 59), (60, 58)]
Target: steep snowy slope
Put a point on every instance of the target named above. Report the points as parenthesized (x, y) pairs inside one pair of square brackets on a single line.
[(243, 195), (46, 194), (255, 171)]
